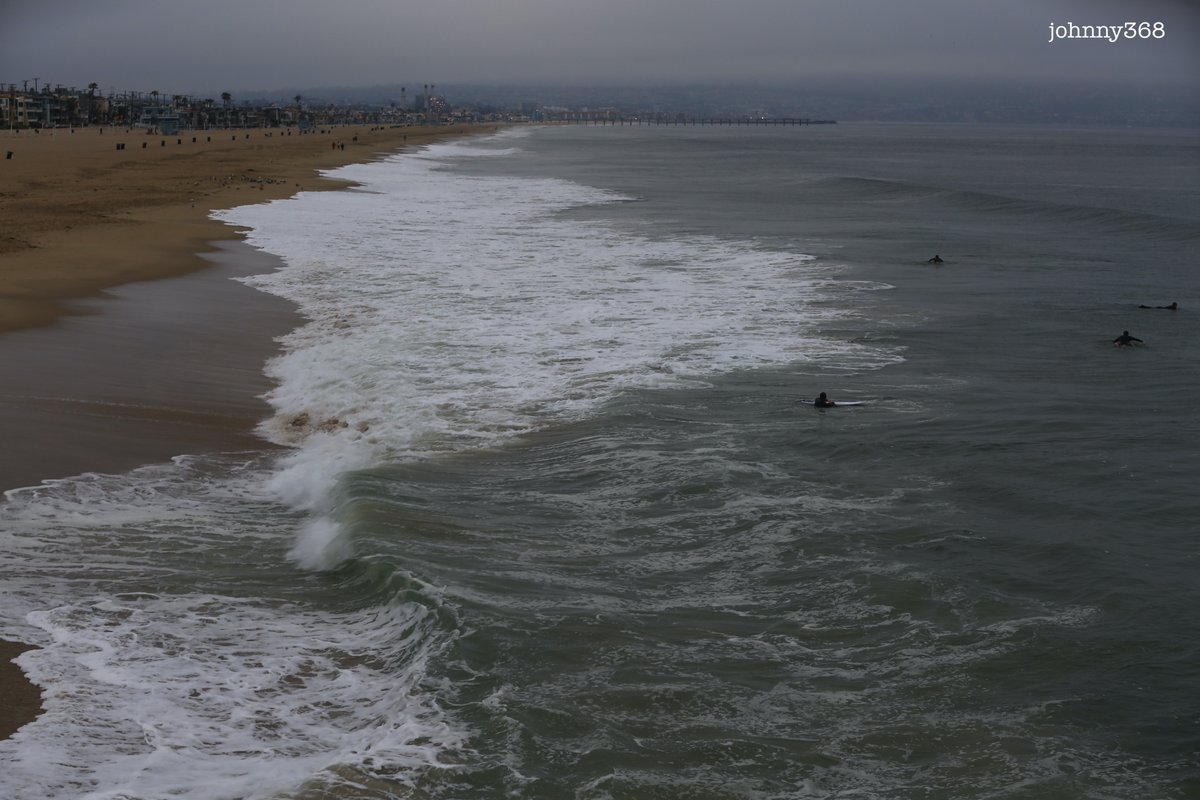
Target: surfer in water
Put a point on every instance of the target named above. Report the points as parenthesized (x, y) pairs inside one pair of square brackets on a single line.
[(1125, 340), (936, 260), (823, 401), (1172, 307)]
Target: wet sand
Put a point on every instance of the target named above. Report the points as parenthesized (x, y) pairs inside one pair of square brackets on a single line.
[(146, 371), (20, 701), (108, 365)]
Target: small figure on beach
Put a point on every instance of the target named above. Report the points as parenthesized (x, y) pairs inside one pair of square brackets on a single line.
[(823, 401), (1172, 307), (936, 260), (1125, 340)]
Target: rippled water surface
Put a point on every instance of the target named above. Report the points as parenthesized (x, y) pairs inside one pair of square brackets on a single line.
[(551, 522)]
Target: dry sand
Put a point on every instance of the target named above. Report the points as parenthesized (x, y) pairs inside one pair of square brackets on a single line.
[(107, 367), (78, 215)]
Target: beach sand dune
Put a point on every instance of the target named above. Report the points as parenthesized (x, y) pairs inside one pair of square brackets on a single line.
[(106, 366)]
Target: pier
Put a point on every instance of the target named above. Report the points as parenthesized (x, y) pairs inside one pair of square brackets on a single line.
[(584, 119)]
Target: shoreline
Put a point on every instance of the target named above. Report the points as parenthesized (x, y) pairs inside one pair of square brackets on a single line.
[(115, 365), (20, 700), (78, 216)]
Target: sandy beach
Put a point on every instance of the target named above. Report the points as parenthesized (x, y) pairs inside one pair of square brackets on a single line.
[(106, 365)]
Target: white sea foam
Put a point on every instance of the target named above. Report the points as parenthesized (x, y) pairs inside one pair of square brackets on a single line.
[(213, 697), (445, 311), (167, 673), (449, 310)]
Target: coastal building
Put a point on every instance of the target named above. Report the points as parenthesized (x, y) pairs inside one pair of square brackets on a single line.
[(57, 107), (163, 119), (14, 110)]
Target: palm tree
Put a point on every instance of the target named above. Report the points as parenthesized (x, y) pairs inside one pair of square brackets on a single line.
[(92, 87), (225, 98)]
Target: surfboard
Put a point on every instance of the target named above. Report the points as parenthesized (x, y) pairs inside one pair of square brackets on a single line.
[(836, 403)]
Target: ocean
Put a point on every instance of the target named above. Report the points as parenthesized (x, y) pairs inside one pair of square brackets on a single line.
[(550, 521)]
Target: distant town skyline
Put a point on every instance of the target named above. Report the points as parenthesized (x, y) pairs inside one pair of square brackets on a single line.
[(222, 45)]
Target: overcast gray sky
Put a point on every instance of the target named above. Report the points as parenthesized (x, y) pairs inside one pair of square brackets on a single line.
[(196, 46)]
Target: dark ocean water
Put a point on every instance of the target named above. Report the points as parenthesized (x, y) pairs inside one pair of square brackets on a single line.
[(555, 525)]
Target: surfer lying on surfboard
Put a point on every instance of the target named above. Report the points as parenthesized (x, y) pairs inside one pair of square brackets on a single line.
[(823, 401)]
